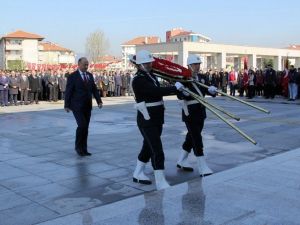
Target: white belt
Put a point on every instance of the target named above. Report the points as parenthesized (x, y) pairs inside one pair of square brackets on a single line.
[(151, 104), (192, 102), (142, 108), (184, 104)]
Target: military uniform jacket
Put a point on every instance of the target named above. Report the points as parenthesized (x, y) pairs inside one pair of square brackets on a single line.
[(197, 112), (147, 88)]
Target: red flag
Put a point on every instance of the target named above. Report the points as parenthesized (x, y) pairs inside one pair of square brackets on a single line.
[(170, 69), (286, 64), (245, 63)]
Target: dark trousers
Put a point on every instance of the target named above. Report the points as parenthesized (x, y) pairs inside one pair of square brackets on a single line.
[(232, 88), (259, 90), (152, 147), (24, 96), (45, 93), (62, 95), (224, 89), (41, 97), (83, 120), (269, 91), (193, 139), (4, 97), (242, 90), (13, 98), (251, 91), (34, 97), (53, 92)]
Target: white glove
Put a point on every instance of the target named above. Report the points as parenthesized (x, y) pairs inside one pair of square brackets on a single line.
[(179, 86), (212, 90), (185, 93)]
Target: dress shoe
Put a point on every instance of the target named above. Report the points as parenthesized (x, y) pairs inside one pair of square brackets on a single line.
[(86, 153), (80, 152)]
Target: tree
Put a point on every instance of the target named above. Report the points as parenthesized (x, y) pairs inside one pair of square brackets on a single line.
[(267, 62), (96, 45), (15, 65)]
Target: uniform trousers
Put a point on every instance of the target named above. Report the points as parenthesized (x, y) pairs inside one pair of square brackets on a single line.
[(193, 139), (152, 146)]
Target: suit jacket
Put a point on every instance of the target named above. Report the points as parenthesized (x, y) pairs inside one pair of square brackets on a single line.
[(270, 77), (24, 83), (3, 81), (78, 95), (34, 84), (52, 80), (13, 85), (62, 81)]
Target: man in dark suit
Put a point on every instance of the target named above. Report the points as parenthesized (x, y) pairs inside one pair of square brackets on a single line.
[(62, 82), (78, 99)]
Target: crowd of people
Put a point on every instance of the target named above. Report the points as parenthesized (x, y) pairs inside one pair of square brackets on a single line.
[(257, 82), (29, 87)]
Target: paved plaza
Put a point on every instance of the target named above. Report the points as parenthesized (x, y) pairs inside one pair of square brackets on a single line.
[(43, 181)]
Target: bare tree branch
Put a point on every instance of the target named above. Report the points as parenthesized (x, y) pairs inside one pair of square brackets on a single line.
[(96, 45)]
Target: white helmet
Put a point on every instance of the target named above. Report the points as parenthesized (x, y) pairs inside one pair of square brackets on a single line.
[(193, 59), (144, 56), (132, 58)]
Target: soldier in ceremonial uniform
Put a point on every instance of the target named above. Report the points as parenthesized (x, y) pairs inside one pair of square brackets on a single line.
[(194, 114), (150, 119)]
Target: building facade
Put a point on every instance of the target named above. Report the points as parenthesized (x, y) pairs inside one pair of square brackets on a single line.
[(129, 48), (21, 48), (18, 48), (217, 56), (50, 53), (180, 35)]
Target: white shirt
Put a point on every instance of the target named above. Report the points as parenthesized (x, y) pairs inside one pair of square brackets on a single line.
[(83, 74)]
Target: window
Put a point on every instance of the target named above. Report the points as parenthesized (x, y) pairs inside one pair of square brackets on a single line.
[(16, 42)]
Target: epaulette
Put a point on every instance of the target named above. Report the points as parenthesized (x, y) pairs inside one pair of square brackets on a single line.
[(138, 75)]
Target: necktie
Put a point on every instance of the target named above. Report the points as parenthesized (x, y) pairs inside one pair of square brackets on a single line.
[(85, 78)]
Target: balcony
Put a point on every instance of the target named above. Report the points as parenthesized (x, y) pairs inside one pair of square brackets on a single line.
[(13, 57), (13, 47)]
